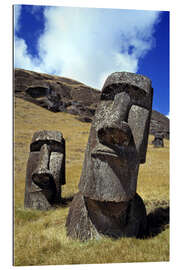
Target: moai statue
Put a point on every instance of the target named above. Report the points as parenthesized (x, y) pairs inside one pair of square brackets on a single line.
[(107, 202), (158, 140), (45, 170)]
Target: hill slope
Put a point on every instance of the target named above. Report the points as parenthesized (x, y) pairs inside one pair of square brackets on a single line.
[(66, 95)]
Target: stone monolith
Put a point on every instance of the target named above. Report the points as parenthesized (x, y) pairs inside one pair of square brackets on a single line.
[(45, 170), (107, 202), (158, 140)]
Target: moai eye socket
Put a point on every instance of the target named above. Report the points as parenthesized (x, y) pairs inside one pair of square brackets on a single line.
[(36, 146), (53, 146)]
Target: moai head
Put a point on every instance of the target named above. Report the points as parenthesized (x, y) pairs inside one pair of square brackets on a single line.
[(45, 170), (158, 140), (118, 138)]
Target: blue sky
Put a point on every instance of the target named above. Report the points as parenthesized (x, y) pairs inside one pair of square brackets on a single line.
[(88, 44)]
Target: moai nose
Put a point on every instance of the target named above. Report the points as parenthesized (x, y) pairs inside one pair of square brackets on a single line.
[(116, 129), (121, 106), (42, 175)]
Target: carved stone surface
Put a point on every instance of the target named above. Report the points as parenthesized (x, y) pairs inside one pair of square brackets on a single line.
[(90, 219), (158, 140), (45, 170), (116, 146)]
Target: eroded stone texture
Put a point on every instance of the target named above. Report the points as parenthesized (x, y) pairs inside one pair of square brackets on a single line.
[(90, 219), (46, 97), (158, 140), (116, 146), (117, 142), (45, 170)]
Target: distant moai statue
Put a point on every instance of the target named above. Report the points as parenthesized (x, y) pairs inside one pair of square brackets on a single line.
[(107, 202), (158, 140), (45, 170)]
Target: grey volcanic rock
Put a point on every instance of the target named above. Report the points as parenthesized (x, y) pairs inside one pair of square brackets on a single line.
[(159, 124), (74, 97), (56, 93), (117, 145), (78, 223), (158, 140), (45, 170), (46, 97)]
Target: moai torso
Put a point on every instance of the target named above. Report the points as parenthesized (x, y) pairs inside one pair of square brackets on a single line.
[(45, 170), (117, 145)]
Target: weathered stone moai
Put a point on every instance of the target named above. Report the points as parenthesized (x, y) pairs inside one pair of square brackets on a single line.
[(158, 140), (107, 202), (45, 170)]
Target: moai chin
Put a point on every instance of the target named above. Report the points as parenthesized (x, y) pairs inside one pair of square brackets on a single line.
[(45, 170), (107, 202)]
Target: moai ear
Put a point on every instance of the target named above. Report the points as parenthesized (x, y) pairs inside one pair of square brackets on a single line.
[(139, 121)]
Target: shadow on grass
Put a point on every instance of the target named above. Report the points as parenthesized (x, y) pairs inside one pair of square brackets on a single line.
[(157, 220), (65, 202)]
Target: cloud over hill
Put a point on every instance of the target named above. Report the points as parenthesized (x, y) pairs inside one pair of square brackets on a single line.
[(86, 44)]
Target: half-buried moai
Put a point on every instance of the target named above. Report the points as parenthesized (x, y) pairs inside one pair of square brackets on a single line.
[(107, 202), (45, 170), (158, 140)]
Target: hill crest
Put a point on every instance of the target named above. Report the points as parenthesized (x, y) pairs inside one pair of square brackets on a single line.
[(60, 94)]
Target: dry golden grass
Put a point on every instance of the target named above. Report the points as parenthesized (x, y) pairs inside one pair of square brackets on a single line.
[(40, 236)]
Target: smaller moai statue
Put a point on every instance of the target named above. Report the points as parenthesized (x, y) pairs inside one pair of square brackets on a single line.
[(45, 172), (158, 140), (107, 202)]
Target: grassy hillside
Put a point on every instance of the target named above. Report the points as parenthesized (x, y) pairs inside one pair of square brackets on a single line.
[(40, 236)]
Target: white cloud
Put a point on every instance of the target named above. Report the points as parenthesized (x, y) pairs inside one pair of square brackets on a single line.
[(89, 44), (17, 13), (168, 115), (21, 57)]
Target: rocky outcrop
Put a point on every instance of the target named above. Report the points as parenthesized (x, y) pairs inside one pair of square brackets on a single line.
[(159, 124), (56, 93), (63, 94)]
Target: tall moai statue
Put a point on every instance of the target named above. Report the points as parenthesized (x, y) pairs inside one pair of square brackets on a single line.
[(107, 202), (45, 170)]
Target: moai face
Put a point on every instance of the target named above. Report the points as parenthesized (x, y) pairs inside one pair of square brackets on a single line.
[(158, 140), (118, 139), (45, 170)]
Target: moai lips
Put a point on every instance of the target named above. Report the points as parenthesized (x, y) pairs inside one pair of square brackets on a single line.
[(45, 170), (117, 145)]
